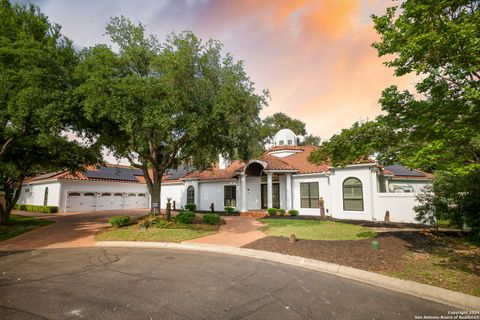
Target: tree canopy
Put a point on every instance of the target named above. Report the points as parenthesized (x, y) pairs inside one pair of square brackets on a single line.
[(36, 67), (162, 104)]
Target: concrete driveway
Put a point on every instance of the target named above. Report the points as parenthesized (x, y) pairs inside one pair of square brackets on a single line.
[(70, 230), (113, 283)]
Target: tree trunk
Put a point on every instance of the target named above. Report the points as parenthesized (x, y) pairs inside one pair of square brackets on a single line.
[(155, 195), (4, 213)]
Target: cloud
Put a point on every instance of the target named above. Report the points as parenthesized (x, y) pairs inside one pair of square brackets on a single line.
[(315, 56)]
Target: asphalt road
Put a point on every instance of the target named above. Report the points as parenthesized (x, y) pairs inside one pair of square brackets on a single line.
[(96, 283)]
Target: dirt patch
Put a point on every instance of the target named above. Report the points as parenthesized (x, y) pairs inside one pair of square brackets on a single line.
[(352, 253)]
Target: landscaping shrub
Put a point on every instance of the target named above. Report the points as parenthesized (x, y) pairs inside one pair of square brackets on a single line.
[(229, 210), (211, 218), (191, 207), (41, 209), (160, 223), (272, 211), (185, 217), (293, 213), (119, 221), (281, 212)]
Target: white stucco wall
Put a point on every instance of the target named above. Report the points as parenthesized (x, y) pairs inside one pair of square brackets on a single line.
[(37, 193), (254, 192), (367, 177), (177, 191), (323, 190), (213, 192), (400, 206)]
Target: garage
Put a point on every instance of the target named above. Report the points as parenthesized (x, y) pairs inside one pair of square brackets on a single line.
[(95, 201)]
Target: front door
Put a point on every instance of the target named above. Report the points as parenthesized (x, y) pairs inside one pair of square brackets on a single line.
[(275, 196)]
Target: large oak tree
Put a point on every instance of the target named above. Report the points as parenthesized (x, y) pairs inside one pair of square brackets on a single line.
[(36, 68), (160, 105)]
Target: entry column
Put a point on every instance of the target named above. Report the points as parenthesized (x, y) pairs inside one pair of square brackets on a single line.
[(288, 182), (243, 193), (269, 189)]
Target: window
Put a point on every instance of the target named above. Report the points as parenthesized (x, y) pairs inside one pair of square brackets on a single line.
[(289, 142), (89, 194), (74, 194), (382, 185), (106, 194), (230, 196), (352, 195), (118, 194), (281, 142), (309, 196), (142, 195), (190, 195), (45, 197), (132, 195)]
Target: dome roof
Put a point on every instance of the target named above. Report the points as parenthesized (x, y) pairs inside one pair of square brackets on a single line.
[(285, 137)]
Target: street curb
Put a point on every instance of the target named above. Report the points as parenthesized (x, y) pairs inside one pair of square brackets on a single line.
[(424, 291)]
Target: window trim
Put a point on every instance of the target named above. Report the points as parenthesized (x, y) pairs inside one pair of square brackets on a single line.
[(227, 202), (343, 194), (310, 195)]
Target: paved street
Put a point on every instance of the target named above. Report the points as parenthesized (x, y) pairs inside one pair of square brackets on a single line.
[(95, 283)]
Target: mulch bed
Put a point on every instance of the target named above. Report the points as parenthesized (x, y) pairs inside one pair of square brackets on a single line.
[(353, 253)]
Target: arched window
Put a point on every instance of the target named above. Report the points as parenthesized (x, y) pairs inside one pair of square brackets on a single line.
[(352, 195), (45, 197), (190, 195)]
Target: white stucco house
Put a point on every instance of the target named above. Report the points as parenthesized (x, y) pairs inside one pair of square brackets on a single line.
[(282, 178)]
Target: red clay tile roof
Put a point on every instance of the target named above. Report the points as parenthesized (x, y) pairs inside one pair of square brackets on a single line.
[(299, 160), (217, 174)]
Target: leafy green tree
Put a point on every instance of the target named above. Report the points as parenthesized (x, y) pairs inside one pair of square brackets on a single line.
[(160, 105), (272, 124), (436, 128), (311, 140), (36, 67)]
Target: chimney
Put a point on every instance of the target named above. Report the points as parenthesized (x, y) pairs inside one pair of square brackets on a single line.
[(223, 162)]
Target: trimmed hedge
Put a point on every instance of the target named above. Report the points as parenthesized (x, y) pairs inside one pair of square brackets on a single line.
[(42, 209), (272, 211), (281, 212), (185, 217), (293, 213), (119, 221), (211, 218), (229, 210), (191, 207)]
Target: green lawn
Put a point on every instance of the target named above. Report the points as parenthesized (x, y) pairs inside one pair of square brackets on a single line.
[(315, 230), (133, 233), (20, 224)]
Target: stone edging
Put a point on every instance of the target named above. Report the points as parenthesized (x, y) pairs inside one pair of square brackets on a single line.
[(440, 295)]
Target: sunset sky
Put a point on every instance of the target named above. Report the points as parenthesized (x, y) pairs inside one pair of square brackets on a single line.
[(314, 56)]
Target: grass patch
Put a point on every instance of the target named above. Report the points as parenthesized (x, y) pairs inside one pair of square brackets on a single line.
[(453, 265), (315, 230), (134, 233), (20, 224)]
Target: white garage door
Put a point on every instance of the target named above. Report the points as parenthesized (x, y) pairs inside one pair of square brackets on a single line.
[(87, 201), (110, 201), (81, 201)]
